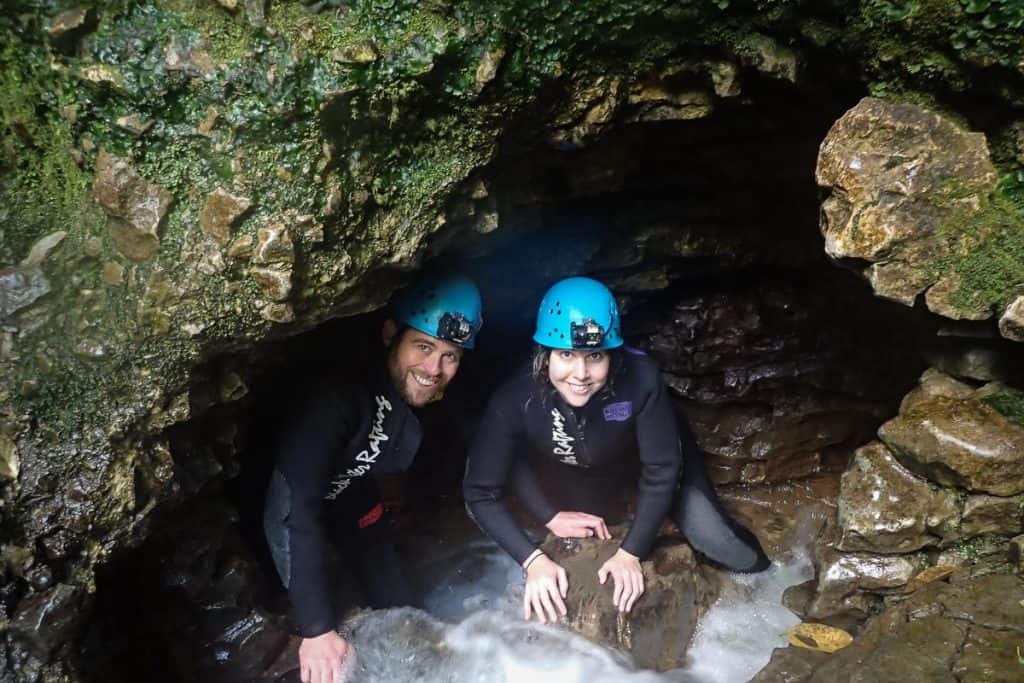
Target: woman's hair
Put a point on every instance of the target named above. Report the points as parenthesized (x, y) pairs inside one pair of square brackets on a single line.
[(542, 354)]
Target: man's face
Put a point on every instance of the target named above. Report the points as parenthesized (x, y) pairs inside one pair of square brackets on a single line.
[(421, 365)]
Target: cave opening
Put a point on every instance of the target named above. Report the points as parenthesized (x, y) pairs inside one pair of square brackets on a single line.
[(707, 231)]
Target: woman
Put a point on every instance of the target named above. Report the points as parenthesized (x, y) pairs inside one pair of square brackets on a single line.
[(584, 410)]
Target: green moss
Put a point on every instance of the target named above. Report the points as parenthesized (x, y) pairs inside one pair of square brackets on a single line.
[(986, 252), (1009, 402)]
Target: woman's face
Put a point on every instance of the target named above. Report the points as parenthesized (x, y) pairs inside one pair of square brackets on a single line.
[(578, 374)]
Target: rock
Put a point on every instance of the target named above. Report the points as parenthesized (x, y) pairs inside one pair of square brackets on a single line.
[(209, 121), (241, 248), (46, 621), (136, 207), (274, 282), (277, 312), (229, 5), (941, 299), (10, 461), (884, 508), (358, 53), (19, 288), (273, 244), (969, 362), (1015, 552), (134, 124), (42, 248), (1011, 323), (103, 75), (72, 21), (896, 172), (658, 629), (220, 211), (846, 580), (657, 102), (959, 443), (934, 382), (487, 69), (188, 60), (992, 515), (768, 56), (113, 274)]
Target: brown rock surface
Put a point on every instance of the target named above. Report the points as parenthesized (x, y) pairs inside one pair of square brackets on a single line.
[(959, 443), (219, 213), (135, 207), (885, 508), (658, 629)]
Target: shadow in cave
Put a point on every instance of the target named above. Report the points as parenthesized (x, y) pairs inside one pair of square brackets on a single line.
[(707, 232)]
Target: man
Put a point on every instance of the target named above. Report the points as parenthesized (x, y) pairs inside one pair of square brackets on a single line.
[(322, 490)]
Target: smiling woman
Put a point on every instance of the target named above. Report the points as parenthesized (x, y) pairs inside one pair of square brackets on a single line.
[(584, 408)]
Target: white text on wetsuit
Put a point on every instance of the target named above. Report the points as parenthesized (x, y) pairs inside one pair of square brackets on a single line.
[(367, 456), (563, 442)]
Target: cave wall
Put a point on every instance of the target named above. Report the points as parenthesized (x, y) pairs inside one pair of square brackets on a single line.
[(186, 178)]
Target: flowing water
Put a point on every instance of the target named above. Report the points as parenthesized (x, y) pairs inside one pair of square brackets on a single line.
[(473, 631)]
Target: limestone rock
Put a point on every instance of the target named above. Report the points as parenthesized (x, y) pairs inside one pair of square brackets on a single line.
[(135, 124), (275, 282), (992, 515), (219, 213), (1016, 552), (71, 21), (970, 362), (658, 629), (358, 53), (277, 312), (844, 579), (10, 461), (273, 244), (19, 288), (887, 165), (189, 60), (934, 382), (487, 69), (769, 57), (1011, 323), (959, 443), (940, 299), (136, 207), (885, 508)]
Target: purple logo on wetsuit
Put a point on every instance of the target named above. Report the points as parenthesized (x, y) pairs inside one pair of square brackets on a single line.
[(618, 412)]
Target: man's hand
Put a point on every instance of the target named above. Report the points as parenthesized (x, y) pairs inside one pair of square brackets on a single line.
[(625, 571), (578, 525), (322, 659), (546, 586)]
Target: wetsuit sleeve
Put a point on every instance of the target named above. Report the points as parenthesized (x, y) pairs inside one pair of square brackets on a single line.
[(492, 457), (529, 493), (660, 462), (294, 519)]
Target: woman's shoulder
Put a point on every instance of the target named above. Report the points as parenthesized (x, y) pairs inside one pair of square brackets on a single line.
[(636, 362)]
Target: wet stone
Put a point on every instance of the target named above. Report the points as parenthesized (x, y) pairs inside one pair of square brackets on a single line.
[(135, 207), (992, 515), (10, 461), (220, 211), (846, 580), (959, 443), (274, 282), (47, 621), (1011, 323), (885, 508), (20, 288), (273, 245)]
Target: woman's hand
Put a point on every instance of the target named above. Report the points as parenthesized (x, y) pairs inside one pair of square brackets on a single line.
[(625, 571), (578, 525), (546, 587), (322, 659)]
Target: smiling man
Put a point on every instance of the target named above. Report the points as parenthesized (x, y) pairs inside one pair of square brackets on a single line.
[(322, 491)]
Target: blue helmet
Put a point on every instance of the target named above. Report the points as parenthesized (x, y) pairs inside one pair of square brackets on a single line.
[(578, 313), (446, 307)]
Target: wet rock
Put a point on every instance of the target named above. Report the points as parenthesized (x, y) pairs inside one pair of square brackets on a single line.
[(273, 244), (848, 582), (20, 287), (275, 283), (46, 621), (592, 108), (277, 312), (934, 382), (220, 211), (886, 165), (1011, 323), (241, 248), (658, 629), (959, 443), (487, 69), (10, 461), (992, 515), (884, 508), (135, 124), (969, 362), (135, 207)]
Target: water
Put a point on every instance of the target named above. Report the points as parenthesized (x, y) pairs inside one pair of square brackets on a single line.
[(474, 631)]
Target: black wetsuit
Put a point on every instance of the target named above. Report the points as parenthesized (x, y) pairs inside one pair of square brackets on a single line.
[(585, 451), (322, 490)]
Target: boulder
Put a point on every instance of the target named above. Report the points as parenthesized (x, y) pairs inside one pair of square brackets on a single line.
[(885, 508), (657, 631), (992, 515), (1011, 323), (896, 173), (959, 443)]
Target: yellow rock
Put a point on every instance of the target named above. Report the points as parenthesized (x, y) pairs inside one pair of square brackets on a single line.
[(819, 637)]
